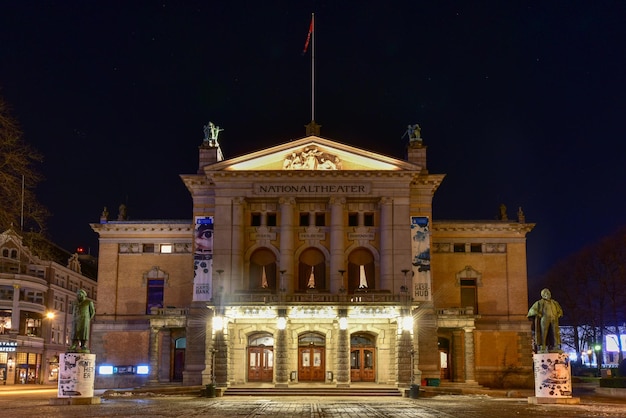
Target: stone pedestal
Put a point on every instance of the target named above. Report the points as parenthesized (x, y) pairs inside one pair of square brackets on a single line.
[(553, 379), (76, 375)]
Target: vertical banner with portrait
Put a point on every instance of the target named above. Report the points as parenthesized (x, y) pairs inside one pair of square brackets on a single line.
[(420, 258), (203, 259)]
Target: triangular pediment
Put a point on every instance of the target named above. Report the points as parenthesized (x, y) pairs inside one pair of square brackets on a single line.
[(313, 153)]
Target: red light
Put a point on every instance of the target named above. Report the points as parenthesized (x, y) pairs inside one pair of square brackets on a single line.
[(80, 250)]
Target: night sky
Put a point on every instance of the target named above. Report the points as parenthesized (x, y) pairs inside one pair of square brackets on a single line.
[(520, 103)]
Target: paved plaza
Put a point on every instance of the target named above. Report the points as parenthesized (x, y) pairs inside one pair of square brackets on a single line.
[(35, 403)]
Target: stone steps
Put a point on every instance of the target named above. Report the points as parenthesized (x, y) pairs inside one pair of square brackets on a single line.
[(308, 391)]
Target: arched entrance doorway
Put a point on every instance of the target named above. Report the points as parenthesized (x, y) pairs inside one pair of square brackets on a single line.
[(362, 358), (311, 357), (261, 357)]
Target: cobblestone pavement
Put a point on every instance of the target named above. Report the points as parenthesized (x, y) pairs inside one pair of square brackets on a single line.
[(443, 406)]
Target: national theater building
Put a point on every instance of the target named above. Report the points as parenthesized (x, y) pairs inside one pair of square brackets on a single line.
[(312, 261)]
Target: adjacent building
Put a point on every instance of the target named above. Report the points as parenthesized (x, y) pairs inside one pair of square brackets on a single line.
[(38, 285), (312, 261)]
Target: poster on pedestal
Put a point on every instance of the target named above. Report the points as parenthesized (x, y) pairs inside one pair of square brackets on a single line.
[(76, 375), (553, 375)]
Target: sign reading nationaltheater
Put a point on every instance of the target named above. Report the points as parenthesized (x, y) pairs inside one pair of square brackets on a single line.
[(307, 188)]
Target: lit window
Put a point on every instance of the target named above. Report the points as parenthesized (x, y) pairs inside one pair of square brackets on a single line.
[(166, 248), (105, 370), (143, 369)]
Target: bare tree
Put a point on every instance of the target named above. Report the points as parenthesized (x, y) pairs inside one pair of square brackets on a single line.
[(612, 278), (19, 207), (590, 286)]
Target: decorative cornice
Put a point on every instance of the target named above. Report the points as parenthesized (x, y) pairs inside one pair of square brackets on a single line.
[(482, 226)]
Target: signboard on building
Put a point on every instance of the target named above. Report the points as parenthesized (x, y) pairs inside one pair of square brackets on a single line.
[(203, 259), (420, 258)]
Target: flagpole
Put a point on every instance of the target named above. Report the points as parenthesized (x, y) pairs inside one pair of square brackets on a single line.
[(313, 67)]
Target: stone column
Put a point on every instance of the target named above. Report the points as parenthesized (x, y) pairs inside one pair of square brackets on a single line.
[(197, 354), (286, 240), (386, 244), (282, 363), (343, 359), (234, 278), (469, 355), (15, 315), (457, 355), (153, 377), (337, 236), (405, 358), (220, 348)]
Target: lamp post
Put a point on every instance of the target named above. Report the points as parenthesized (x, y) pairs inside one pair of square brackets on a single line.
[(598, 350)]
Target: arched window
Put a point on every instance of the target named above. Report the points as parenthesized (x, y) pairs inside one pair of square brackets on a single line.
[(264, 339), (263, 270), (361, 270), (311, 338), (312, 270)]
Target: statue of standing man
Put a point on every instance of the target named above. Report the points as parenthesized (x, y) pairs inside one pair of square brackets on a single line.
[(83, 313), (546, 312)]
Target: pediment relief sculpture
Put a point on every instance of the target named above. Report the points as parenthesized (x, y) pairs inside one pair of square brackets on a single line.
[(311, 158)]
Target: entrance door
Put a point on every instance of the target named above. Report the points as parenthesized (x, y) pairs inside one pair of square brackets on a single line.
[(362, 361), (362, 358), (179, 364), (261, 357), (311, 364), (260, 364), (180, 345)]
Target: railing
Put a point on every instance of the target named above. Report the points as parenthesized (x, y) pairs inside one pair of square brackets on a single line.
[(315, 297), (169, 311), (468, 311)]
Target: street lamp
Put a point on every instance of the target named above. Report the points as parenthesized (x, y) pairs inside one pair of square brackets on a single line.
[(598, 349)]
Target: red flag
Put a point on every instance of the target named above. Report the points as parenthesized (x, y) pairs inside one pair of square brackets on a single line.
[(308, 37)]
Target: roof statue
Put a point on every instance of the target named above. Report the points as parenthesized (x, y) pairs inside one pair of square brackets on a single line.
[(414, 132), (211, 132), (503, 215), (521, 218), (122, 214), (104, 216)]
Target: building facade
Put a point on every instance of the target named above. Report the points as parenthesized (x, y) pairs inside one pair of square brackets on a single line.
[(36, 299), (313, 261)]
